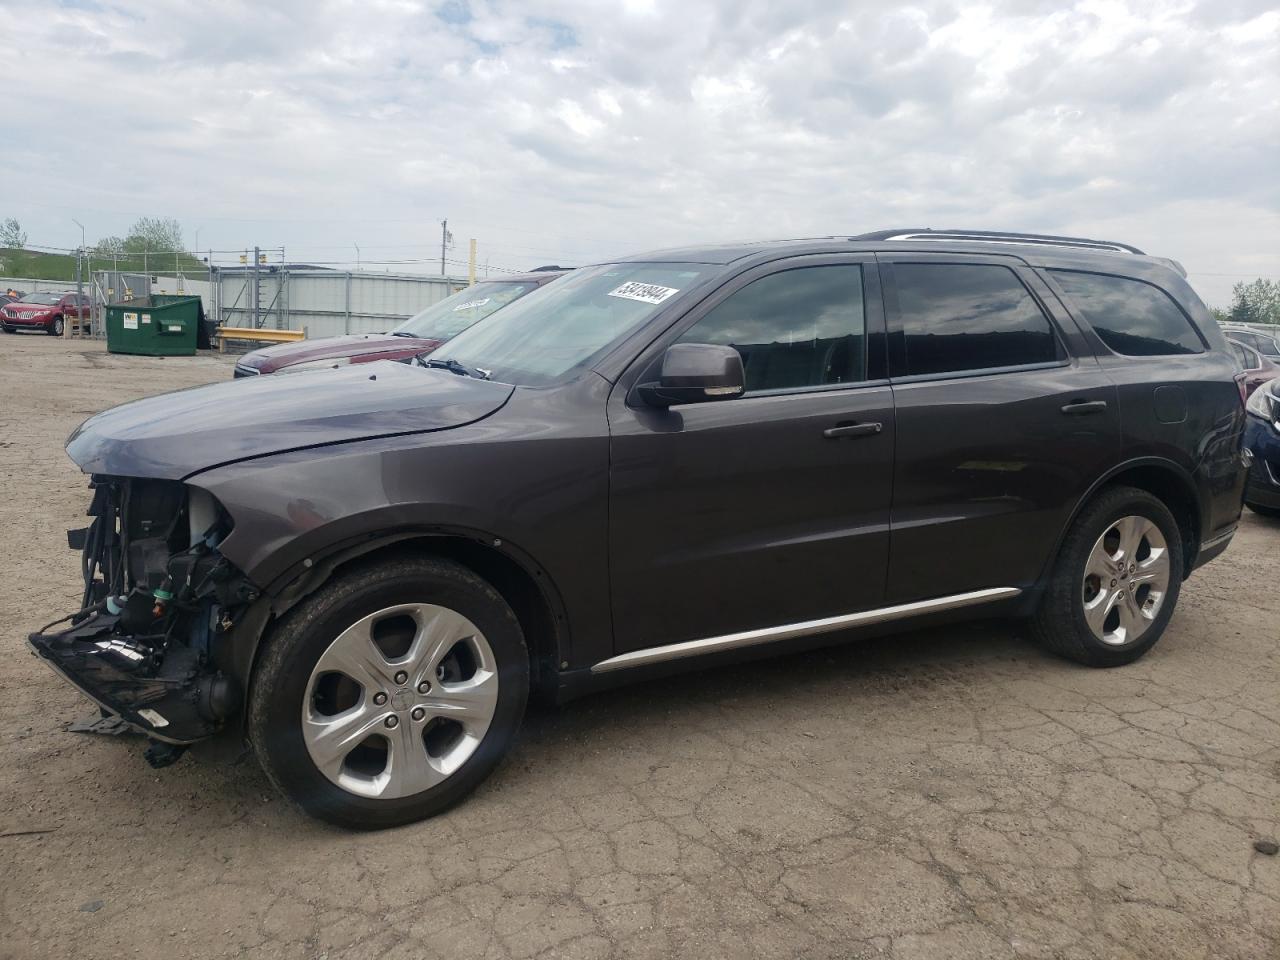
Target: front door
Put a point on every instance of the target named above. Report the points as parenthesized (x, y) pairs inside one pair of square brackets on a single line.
[(772, 508)]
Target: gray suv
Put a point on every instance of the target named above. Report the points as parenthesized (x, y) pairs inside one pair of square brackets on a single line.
[(666, 461)]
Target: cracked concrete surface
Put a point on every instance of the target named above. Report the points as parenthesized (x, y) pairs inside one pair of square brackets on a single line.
[(951, 793)]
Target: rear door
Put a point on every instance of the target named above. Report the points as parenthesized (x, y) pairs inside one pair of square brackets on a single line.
[(771, 508), (1004, 420)]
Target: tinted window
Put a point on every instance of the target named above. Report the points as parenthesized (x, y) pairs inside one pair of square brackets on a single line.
[(800, 328), (1132, 317), (958, 316), (1242, 354)]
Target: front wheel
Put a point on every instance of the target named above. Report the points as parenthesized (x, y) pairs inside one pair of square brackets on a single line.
[(55, 327), (1116, 581), (1271, 512), (391, 694)]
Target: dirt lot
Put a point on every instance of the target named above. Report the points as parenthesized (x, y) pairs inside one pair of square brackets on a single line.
[(942, 794)]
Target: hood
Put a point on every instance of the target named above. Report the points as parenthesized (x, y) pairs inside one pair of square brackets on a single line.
[(372, 346), (174, 435)]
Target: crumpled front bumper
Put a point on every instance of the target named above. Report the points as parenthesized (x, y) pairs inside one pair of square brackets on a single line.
[(162, 701)]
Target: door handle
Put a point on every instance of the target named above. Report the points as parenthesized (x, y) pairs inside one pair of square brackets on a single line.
[(1081, 407), (852, 430)]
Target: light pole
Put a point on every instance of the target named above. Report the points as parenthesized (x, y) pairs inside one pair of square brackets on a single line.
[(357, 246), (79, 281)]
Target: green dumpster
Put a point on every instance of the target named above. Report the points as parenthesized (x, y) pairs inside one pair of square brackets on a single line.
[(161, 325)]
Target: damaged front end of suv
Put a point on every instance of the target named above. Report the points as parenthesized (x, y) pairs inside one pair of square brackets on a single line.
[(150, 642)]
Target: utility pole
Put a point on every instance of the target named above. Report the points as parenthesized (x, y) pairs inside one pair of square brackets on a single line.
[(471, 265), (79, 285), (255, 288), (357, 246), (444, 242)]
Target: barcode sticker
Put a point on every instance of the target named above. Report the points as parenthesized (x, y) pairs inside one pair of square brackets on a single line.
[(644, 292)]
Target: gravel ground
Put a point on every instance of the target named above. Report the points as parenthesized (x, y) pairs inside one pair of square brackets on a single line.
[(949, 793)]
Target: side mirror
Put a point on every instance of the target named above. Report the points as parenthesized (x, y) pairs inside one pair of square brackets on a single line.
[(696, 373)]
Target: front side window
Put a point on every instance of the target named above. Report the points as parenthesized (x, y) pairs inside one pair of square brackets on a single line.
[(1131, 317), (961, 316), (800, 328)]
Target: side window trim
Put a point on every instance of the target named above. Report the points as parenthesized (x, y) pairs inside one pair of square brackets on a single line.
[(895, 335), (876, 366)]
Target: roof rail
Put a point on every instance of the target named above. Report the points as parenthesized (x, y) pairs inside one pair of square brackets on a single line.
[(995, 236)]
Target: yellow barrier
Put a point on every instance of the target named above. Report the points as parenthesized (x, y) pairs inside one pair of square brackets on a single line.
[(265, 335)]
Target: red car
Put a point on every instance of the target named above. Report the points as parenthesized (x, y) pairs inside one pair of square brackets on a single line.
[(44, 311), (420, 334), (1258, 369)]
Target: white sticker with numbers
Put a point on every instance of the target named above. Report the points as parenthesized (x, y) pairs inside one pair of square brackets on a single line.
[(644, 292)]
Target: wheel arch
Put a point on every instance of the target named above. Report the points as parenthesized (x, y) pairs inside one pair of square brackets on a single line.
[(1163, 479), (522, 582)]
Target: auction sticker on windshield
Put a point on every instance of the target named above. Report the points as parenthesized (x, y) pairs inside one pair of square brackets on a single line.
[(644, 292), (470, 304)]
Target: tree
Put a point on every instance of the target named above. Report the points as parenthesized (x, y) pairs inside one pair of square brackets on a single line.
[(109, 247), (154, 235), (1256, 302), (1220, 315), (12, 235)]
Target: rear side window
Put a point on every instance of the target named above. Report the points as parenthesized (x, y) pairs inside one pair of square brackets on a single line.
[(963, 316), (799, 328), (1133, 318), (1242, 354)]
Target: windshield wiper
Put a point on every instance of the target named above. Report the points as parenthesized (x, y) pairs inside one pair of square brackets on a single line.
[(404, 333), (454, 366)]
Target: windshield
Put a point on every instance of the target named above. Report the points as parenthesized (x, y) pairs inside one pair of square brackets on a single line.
[(45, 298), (571, 320), (452, 315)]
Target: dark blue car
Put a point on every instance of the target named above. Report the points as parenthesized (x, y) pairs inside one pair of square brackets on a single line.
[(1262, 436)]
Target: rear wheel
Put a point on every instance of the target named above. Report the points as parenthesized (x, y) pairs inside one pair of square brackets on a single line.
[(54, 329), (1272, 512), (391, 694), (1116, 581)]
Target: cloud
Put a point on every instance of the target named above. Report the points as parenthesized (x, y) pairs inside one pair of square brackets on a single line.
[(570, 131)]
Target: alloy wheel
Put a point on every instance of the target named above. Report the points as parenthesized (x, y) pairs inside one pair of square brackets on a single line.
[(400, 700), (1126, 579)]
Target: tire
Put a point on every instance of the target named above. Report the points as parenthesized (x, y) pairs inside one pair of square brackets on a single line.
[(1270, 512), (411, 598), (1073, 610), (6, 328), (55, 327)]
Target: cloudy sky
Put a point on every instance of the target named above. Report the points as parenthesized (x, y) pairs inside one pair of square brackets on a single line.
[(570, 131)]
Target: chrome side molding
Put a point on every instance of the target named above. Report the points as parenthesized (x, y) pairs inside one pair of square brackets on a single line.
[(751, 638)]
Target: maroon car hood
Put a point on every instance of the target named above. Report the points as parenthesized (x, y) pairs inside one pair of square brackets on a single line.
[(359, 347)]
